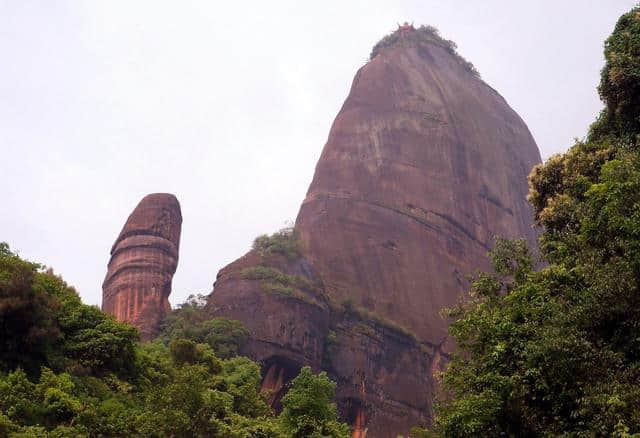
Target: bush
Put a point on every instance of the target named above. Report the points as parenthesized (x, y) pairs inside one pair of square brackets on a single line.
[(276, 276), (356, 312), (423, 34), (307, 408), (275, 281), (283, 242), (190, 321)]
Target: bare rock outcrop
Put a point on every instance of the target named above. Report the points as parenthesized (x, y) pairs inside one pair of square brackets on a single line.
[(143, 260), (424, 164)]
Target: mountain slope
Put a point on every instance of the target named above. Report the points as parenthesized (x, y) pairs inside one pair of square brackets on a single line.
[(423, 166)]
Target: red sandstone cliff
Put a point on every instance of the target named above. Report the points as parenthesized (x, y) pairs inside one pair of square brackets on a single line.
[(424, 165), (143, 260)]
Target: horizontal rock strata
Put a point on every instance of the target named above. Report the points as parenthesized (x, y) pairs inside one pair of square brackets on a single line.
[(143, 260)]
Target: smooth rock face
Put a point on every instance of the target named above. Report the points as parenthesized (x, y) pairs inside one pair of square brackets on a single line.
[(143, 260), (423, 166)]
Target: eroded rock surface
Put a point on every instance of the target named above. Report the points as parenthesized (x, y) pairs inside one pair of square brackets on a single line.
[(424, 165), (282, 303), (143, 260)]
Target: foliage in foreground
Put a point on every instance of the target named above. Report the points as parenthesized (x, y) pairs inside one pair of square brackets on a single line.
[(308, 408), (556, 352), (69, 370)]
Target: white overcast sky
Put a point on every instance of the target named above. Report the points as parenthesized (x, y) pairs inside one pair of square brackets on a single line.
[(228, 105)]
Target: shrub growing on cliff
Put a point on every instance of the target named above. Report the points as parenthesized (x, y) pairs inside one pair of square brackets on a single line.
[(277, 276), (423, 33), (353, 311), (284, 242), (275, 281), (555, 352)]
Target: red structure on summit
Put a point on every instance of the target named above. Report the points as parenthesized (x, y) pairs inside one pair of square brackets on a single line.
[(405, 29)]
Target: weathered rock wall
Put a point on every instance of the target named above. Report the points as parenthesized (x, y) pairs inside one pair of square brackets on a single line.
[(424, 165), (383, 372)]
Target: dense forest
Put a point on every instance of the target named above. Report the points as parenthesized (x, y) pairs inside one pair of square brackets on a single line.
[(69, 370)]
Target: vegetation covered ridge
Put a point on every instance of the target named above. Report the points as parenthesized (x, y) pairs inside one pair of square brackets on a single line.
[(273, 280), (421, 34)]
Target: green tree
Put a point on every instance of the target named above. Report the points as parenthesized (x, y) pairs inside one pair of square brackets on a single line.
[(225, 336), (44, 323), (620, 82), (28, 328), (190, 321), (308, 410)]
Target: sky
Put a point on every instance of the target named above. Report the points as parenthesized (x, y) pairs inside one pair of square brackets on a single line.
[(227, 105)]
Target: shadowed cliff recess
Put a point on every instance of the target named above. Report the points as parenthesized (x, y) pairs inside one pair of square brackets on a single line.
[(143, 260), (424, 165)]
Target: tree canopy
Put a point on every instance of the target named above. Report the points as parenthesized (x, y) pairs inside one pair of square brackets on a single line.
[(69, 370)]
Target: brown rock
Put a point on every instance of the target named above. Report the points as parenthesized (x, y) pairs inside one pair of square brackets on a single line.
[(288, 318), (143, 260), (424, 165)]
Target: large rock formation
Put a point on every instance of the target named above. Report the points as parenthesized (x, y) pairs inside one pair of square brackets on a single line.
[(424, 165), (143, 260)]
